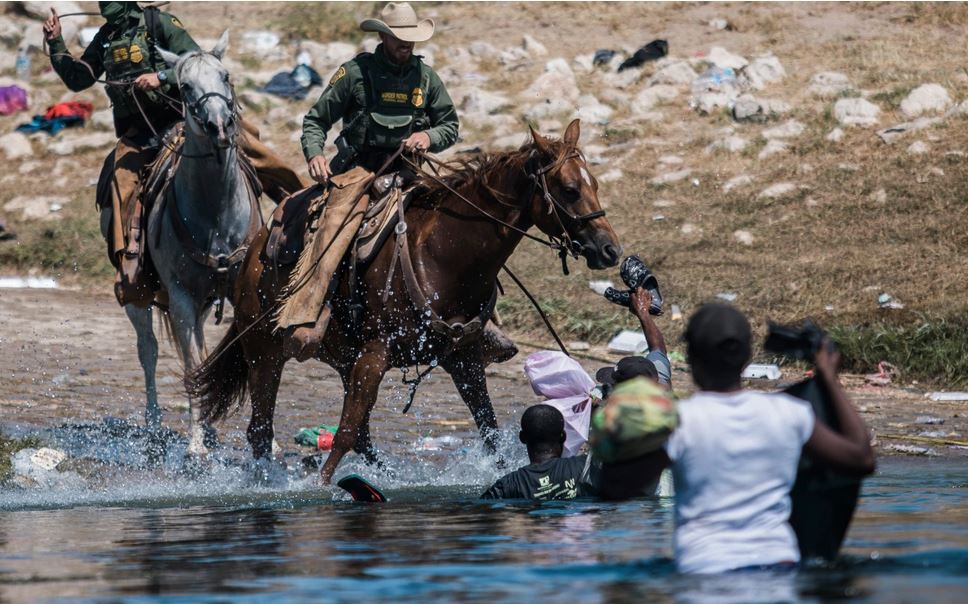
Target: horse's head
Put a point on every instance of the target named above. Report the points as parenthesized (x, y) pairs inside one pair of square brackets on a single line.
[(206, 92), (565, 202)]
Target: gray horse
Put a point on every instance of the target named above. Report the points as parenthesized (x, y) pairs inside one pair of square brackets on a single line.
[(198, 234)]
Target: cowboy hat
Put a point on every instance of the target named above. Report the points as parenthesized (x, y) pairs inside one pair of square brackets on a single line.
[(398, 19)]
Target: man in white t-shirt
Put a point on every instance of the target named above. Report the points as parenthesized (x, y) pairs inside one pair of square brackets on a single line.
[(735, 453)]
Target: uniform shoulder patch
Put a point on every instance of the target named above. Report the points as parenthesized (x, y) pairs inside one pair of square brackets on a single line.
[(177, 23), (341, 72)]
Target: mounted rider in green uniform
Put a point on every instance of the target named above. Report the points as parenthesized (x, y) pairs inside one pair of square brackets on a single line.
[(383, 99), (145, 103)]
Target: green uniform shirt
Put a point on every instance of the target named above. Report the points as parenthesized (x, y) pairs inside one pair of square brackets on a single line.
[(123, 54), (382, 103)]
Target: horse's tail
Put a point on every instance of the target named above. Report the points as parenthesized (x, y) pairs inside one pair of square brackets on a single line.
[(221, 381)]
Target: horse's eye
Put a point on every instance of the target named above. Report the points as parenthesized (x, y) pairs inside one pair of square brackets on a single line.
[(570, 192), (225, 78)]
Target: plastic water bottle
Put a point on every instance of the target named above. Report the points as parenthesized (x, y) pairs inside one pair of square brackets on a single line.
[(22, 65), (715, 79)]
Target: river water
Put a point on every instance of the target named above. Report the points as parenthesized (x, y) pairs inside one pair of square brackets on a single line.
[(211, 535)]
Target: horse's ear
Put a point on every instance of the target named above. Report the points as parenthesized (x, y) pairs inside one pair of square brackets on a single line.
[(221, 46), (169, 57), (571, 137), (543, 145)]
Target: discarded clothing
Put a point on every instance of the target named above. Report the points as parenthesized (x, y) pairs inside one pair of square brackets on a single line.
[(40, 123), (651, 52), (294, 84), (69, 114), (320, 437), (12, 99), (79, 109), (603, 56)]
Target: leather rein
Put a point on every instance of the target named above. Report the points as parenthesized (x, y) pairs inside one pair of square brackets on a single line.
[(457, 331)]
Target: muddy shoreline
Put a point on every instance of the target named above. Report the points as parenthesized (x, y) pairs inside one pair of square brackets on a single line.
[(69, 357)]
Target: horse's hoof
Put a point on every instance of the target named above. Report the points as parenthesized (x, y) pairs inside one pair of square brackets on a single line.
[(210, 439), (269, 472)]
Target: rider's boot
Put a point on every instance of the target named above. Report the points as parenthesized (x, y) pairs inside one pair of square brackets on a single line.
[(305, 340), (497, 347), (134, 282)]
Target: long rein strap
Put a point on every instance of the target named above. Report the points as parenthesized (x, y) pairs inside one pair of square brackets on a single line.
[(411, 280), (450, 189)]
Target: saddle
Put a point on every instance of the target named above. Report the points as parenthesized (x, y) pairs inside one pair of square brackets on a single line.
[(293, 223)]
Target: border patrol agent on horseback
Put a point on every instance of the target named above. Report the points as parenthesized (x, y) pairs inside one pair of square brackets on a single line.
[(124, 50), (384, 99)]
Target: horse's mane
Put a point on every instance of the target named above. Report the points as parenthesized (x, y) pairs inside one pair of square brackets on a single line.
[(474, 172)]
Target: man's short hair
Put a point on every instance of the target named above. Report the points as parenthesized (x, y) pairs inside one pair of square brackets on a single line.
[(542, 425), (627, 369), (718, 338)]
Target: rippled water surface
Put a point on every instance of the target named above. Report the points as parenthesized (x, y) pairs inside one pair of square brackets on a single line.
[(212, 537)]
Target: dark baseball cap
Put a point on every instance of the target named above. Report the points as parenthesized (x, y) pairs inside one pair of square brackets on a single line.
[(719, 333), (627, 369)]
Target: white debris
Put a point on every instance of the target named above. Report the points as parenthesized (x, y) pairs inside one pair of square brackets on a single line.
[(737, 181), (928, 98), (948, 396), (829, 84), (856, 112), (27, 283), (600, 286), (653, 95), (258, 42), (628, 342), (918, 148), (789, 129), (731, 144), (762, 71), (835, 135), (16, 145), (756, 371), (533, 46), (773, 147), (611, 175), (676, 73), (720, 57), (69, 144), (32, 208), (744, 237), (778, 190), (557, 83), (670, 177)]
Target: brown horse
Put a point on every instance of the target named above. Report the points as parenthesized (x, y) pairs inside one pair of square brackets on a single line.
[(456, 249)]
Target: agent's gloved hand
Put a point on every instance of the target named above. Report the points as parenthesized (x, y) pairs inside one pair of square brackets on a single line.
[(635, 274)]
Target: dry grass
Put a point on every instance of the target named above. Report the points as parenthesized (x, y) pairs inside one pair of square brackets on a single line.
[(831, 243)]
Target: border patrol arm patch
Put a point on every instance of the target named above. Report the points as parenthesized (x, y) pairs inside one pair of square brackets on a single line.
[(341, 72)]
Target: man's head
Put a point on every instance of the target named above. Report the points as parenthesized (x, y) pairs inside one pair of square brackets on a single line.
[(627, 369), (543, 432), (116, 13), (718, 340), (399, 28)]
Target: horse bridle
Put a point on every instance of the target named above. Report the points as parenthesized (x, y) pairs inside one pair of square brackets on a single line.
[(537, 174), (195, 109), (562, 244)]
